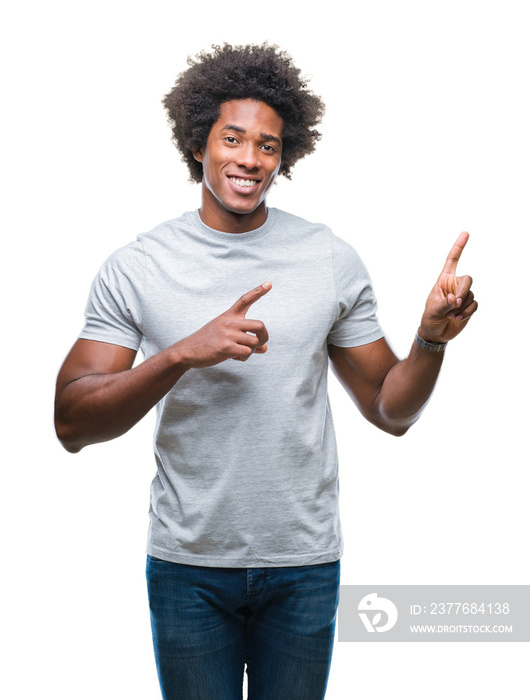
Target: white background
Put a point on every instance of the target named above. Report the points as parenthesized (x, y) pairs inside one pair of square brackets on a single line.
[(426, 134)]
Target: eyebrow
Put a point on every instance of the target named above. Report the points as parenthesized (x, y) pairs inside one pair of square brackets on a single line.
[(265, 137)]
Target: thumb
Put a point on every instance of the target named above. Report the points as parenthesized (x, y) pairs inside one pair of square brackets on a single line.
[(244, 302), (445, 306)]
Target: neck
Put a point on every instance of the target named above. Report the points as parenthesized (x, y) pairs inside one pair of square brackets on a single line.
[(233, 223), (221, 219)]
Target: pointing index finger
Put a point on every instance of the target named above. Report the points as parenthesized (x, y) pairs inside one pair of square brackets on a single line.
[(244, 302), (455, 253)]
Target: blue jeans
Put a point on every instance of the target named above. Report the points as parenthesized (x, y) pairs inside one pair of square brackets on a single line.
[(209, 622)]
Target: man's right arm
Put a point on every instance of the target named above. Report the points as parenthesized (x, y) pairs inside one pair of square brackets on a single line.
[(100, 395)]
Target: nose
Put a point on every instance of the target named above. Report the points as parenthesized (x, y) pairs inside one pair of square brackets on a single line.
[(248, 156)]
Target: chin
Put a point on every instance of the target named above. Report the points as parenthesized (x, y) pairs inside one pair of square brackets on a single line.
[(242, 207)]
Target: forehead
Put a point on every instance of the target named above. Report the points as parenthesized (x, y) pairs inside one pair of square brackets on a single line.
[(253, 116)]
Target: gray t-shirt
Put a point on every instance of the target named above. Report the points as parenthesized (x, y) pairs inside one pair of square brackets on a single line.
[(245, 451)]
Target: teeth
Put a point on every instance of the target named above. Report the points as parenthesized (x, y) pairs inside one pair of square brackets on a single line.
[(243, 183)]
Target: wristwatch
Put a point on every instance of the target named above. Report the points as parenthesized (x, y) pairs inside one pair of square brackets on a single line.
[(431, 347)]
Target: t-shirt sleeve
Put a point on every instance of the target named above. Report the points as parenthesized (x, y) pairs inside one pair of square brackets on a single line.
[(356, 322), (113, 310)]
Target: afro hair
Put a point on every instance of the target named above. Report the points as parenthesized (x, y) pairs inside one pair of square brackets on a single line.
[(259, 72)]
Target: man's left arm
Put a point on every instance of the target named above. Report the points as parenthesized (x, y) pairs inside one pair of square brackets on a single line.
[(391, 393)]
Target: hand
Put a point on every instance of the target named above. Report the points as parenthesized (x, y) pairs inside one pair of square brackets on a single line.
[(451, 302), (228, 336)]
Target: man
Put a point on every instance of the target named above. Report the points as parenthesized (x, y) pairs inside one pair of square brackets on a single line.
[(244, 542)]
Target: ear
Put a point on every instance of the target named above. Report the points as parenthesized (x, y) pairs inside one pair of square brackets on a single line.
[(198, 155)]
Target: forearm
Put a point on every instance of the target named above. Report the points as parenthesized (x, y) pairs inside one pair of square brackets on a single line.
[(100, 395), (407, 388), (391, 393), (99, 407), (408, 385)]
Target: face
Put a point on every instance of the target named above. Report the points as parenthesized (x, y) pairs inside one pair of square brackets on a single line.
[(240, 162)]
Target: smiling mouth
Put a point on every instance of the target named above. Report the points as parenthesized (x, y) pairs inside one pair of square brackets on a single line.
[(242, 182)]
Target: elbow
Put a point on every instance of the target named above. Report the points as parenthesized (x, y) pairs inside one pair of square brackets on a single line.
[(67, 440), (397, 426), (396, 430), (66, 435), (71, 447)]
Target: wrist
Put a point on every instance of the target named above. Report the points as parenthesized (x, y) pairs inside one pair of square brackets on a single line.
[(427, 343), (179, 359)]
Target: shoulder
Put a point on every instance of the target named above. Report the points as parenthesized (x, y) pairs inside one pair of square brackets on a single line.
[(129, 260), (298, 231), (164, 234), (345, 255), (284, 218), (132, 256)]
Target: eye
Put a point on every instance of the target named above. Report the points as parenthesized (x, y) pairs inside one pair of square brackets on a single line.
[(268, 148), (230, 139)]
